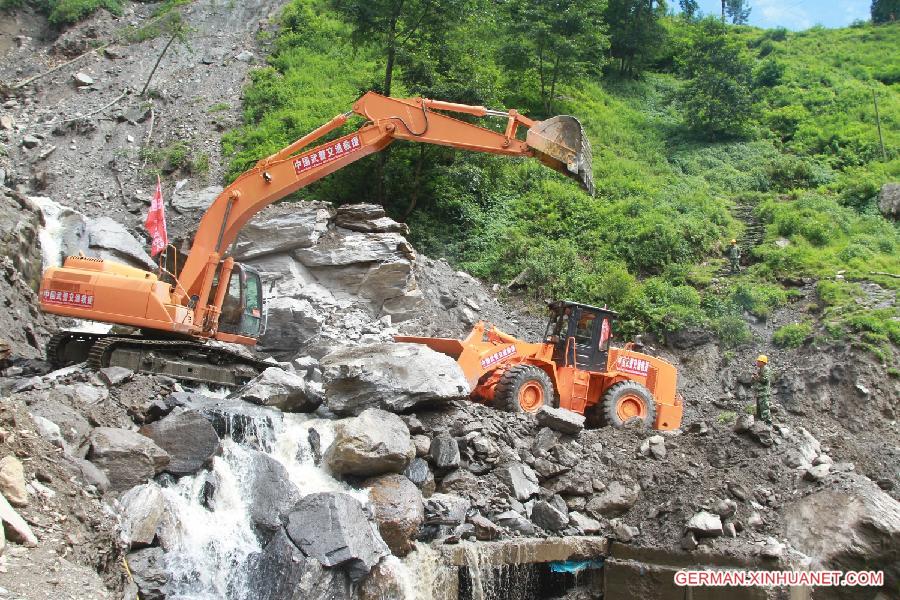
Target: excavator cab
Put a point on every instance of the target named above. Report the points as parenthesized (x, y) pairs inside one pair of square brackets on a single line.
[(580, 335), (242, 307)]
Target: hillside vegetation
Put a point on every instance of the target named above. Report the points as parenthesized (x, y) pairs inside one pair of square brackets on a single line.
[(801, 165)]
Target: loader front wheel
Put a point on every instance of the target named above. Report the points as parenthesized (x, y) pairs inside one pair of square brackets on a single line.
[(523, 388), (627, 401)]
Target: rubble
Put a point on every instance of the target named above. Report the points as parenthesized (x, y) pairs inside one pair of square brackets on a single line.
[(373, 443), (560, 419)]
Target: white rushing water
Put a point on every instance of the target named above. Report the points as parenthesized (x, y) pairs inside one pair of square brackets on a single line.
[(52, 232)]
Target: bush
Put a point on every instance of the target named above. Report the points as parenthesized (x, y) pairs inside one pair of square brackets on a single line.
[(759, 299), (792, 336), (66, 12), (732, 330)]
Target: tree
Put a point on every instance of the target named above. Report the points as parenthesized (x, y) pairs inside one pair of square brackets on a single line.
[(885, 11), (717, 98), (737, 10), (555, 42), (690, 9), (391, 24), (636, 34)]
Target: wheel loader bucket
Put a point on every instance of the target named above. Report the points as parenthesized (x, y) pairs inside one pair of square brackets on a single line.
[(561, 144)]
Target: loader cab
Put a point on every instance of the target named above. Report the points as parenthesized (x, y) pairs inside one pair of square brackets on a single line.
[(580, 334), (242, 308)]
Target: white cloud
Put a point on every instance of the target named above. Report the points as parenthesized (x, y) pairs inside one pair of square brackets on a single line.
[(784, 13)]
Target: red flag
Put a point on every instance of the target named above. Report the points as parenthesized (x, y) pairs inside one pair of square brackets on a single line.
[(156, 222)]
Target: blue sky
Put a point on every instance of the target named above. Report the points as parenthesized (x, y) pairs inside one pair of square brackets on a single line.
[(797, 14)]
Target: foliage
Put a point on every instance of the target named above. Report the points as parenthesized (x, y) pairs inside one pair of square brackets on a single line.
[(177, 157), (636, 34), (792, 335), (689, 9), (717, 99), (885, 11), (738, 11), (65, 12)]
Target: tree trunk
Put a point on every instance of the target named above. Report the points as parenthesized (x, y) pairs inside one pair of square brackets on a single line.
[(388, 77), (723, 11), (417, 181)]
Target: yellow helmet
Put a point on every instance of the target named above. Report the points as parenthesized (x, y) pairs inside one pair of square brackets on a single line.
[(763, 359), (734, 241)]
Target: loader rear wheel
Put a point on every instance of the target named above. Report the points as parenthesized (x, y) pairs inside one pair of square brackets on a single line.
[(525, 389), (626, 401)]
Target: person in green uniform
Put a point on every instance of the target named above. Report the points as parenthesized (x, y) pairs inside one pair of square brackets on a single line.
[(734, 257), (763, 389)]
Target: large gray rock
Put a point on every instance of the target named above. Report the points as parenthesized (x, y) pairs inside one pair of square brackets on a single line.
[(333, 529), (347, 248), (444, 452), (148, 568), (188, 437), (268, 492), (113, 241), (141, 508), (89, 474), (399, 510), (889, 201), (373, 443), (616, 499), (281, 389), (367, 218), (514, 521), (127, 458), (418, 472), (282, 572), (560, 419), (290, 324), (521, 480), (282, 228), (73, 427), (705, 524), (551, 517), (395, 377), (853, 528), (446, 509)]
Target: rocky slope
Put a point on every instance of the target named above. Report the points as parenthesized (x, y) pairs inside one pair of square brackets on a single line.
[(352, 451)]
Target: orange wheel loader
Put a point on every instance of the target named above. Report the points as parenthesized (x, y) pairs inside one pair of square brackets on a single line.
[(214, 298), (574, 368)]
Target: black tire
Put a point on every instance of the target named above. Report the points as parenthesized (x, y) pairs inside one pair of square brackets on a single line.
[(512, 383), (633, 393)]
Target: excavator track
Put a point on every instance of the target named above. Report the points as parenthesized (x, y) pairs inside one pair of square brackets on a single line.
[(181, 359)]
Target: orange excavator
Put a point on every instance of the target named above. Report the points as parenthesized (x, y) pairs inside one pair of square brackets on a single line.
[(574, 368), (214, 298)]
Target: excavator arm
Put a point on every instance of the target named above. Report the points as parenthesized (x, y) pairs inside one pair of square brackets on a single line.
[(558, 142)]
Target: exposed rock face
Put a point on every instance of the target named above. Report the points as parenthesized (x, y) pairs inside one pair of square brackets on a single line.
[(373, 443), (889, 201), (282, 572), (398, 510), (142, 507), (281, 389), (282, 228), (148, 567), (186, 201), (368, 218), (617, 499), (127, 458), (333, 529), (395, 377), (189, 439), (857, 529)]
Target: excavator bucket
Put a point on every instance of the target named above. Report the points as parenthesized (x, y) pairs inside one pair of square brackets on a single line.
[(561, 144)]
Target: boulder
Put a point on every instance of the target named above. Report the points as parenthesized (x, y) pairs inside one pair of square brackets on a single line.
[(283, 228), (444, 453), (460, 481), (268, 492), (332, 528), (12, 481), (514, 521), (373, 443), (521, 480), (367, 218), (817, 473), (82, 79), (418, 472), (549, 516), (73, 427), (346, 248), (187, 200), (49, 430), (188, 437), (90, 474), (399, 510), (17, 529), (141, 508), (281, 389), (485, 529), (394, 377), (624, 532), (389, 579), (127, 458), (743, 423), (585, 523), (705, 524), (113, 376), (148, 569), (616, 499), (560, 419), (112, 240), (290, 324), (853, 528), (889, 201), (445, 509), (571, 484), (282, 572)]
